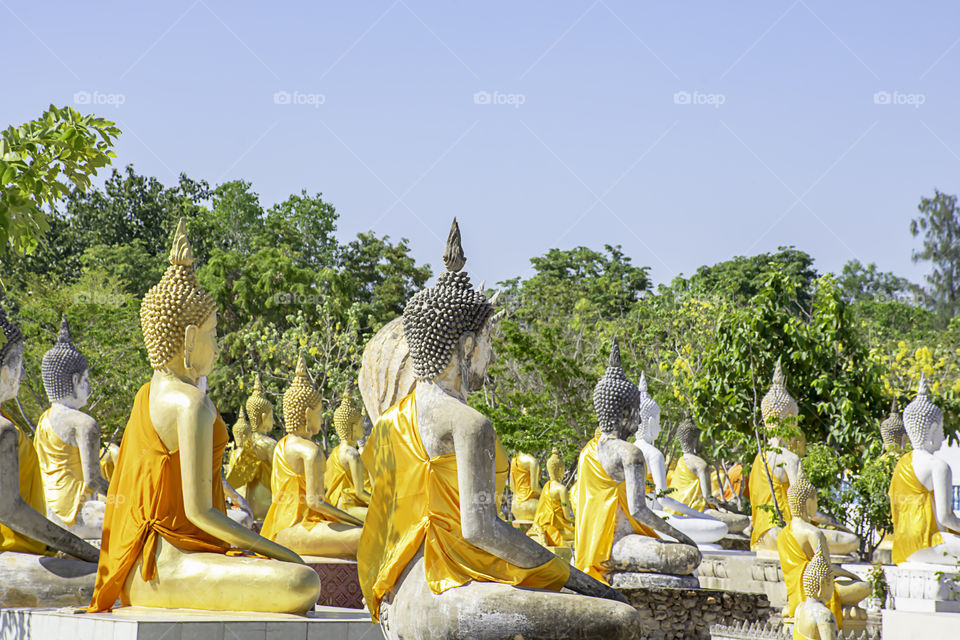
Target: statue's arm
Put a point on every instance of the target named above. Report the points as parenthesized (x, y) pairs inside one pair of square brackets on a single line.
[(942, 478), (231, 493), (703, 475), (356, 470), (563, 495), (88, 441), (635, 474), (533, 468), (313, 462), (195, 439), (827, 627), (21, 517)]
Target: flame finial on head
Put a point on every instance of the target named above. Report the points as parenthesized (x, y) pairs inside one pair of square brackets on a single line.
[(64, 335), (181, 252)]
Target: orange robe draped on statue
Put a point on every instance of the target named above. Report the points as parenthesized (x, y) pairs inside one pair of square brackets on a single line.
[(64, 487), (31, 491), (338, 483), (550, 518), (521, 482), (416, 502), (763, 519), (911, 505), (598, 498), (146, 501), (793, 561)]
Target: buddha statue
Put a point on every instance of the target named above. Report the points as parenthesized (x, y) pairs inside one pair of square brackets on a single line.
[(439, 569), (252, 457), (692, 484), (68, 442), (925, 527), (167, 540), (698, 526), (525, 484), (553, 522), (797, 543), (616, 535), (892, 432), (300, 517), (774, 471), (814, 619), (345, 478)]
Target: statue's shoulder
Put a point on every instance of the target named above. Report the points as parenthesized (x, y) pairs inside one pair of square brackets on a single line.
[(303, 447), (7, 425)]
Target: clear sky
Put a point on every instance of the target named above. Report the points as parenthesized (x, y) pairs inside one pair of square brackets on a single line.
[(687, 132)]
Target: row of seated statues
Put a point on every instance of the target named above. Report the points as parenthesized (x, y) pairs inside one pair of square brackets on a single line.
[(417, 505)]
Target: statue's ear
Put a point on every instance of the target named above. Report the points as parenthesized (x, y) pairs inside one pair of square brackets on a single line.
[(77, 377), (468, 342), (190, 338)]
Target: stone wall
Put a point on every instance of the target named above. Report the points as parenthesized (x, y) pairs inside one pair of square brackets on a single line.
[(688, 614)]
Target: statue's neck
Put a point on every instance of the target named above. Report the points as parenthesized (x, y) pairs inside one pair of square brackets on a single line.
[(440, 386)]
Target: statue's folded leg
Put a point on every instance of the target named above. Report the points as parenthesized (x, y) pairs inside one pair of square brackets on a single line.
[(650, 555), (494, 611), (214, 581), (851, 591), (327, 539), (841, 543), (736, 522)]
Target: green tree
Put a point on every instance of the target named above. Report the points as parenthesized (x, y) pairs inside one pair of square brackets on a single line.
[(939, 224), (860, 282)]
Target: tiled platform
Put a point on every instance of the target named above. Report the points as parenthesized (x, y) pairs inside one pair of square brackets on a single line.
[(136, 623)]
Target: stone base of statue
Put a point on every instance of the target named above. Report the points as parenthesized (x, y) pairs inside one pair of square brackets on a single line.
[(688, 614), (136, 623), (735, 542), (28, 580), (923, 587), (731, 571), (916, 624), (638, 580), (339, 584)]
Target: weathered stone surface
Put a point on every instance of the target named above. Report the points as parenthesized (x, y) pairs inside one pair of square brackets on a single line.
[(636, 580), (688, 613), (27, 580)]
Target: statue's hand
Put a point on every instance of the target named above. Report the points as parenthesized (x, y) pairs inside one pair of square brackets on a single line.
[(589, 586)]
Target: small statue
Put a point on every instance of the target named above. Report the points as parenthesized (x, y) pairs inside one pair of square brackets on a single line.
[(691, 481), (797, 543), (345, 478), (300, 517), (437, 569), (553, 522), (616, 531), (252, 458), (525, 484), (814, 620), (892, 432), (699, 527), (925, 527), (68, 442), (166, 534), (778, 468)]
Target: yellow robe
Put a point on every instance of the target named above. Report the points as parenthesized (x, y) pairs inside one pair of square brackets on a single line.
[(521, 482), (146, 501), (31, 490), (911, 505), (550, 518), (763, 519), (416, 503), (338, 483), (63, 484), (686, 487), (598, 498), (289, 490), (793, 561)]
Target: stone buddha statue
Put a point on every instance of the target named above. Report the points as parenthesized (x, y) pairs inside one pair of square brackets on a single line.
[(698, 526), (814, 619), (345, 478), (252, 458), (167, 541), (691, 481), (925, 527), (777, 469), (892, 432), (553, 522), (300, 516), (452, 568), (68, 442), (797, 544), (525, 484), (617, 534)]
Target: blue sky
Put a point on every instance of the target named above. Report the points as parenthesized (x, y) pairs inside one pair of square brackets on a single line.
[(687, 132)]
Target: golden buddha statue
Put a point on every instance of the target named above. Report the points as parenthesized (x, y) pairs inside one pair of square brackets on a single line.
[(300, 517), (251, 460), (525, 484), (345, 478), (553, 523), (814, 619), (797, 543), (167, 541)]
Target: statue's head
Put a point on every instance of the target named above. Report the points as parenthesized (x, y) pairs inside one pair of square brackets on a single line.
[(555, 468), (450, 324), (818, 576), (688, 434), (11, 358), (179, 318), (65, 371), (242, 431), (259, 409), (802, 497), (648, 427), (778, 406), (302, 404), (891, 429), (615, 399), (923, 420), (348, 421)]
